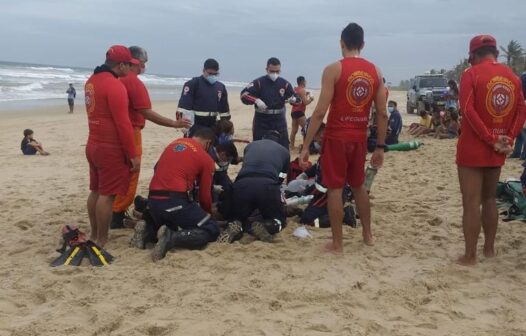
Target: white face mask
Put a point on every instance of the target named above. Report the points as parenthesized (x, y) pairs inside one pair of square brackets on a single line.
[(273, 76)]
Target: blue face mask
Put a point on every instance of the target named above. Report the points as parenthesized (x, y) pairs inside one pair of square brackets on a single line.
[(211, 79), (224, 138), (390, 109)]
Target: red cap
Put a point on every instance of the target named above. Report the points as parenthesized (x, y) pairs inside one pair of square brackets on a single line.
[(480, 41), (119, 53)]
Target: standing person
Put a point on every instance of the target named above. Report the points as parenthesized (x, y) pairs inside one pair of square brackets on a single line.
[(493, 108), (110, 149), (182, 222), (394, 123), (72, 94), (269, 94), (298, 110), (349, 86), (452, 95), (519, 151), (205, 98), (140, 110)]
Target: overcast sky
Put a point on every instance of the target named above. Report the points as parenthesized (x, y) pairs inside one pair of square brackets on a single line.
[(403, 37)]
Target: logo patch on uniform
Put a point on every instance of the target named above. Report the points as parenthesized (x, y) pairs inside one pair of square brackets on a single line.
[(186, 90), (89, 98), (251, 84), (179, 148), (500, 98), (282, 92), (359, 89), (219, 95)]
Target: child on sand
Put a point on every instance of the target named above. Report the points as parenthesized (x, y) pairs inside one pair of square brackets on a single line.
[(31, 146), (449, 127)]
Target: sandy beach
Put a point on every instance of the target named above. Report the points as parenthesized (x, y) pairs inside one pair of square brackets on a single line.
[(407, 284)]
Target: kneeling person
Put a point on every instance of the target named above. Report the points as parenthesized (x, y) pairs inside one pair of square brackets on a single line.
[(183, 222), (257, 187)]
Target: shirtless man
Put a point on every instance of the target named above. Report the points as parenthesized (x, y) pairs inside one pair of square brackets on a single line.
[(298, 111), (349, 86)]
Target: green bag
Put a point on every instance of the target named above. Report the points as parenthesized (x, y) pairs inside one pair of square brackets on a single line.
[(510, 198)]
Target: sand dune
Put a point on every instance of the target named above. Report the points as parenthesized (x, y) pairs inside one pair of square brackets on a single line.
[(405, 285)]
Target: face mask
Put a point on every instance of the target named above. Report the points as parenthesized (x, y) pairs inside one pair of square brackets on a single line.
[(390, 109), (224, 138), (211, 79), (273, 76)]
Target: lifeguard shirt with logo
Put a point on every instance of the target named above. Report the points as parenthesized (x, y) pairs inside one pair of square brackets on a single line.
[(107, 108), (138, 98), (182, 163), (492, 104), (351, 104)]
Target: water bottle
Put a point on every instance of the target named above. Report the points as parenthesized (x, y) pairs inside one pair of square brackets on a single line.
[(186, 115), (370, 173)]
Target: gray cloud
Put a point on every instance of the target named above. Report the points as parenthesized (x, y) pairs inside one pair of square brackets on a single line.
[(403, 37)]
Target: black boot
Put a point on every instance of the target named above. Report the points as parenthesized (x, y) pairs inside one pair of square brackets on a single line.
[(168, 239), (117, 220), (140, 203)]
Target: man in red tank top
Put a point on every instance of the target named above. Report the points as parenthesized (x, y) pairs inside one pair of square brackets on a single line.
[(492, 104), (349, 86), (110, 149), (298, 110)]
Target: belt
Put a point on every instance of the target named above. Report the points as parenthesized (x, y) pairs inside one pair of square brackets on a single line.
[(168, 193), (271, 111), (255, 175), (205, 114)]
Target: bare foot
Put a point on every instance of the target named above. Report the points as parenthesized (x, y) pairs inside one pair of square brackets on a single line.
[(465, 261), (489, 252), (368, 239), (330, 247)]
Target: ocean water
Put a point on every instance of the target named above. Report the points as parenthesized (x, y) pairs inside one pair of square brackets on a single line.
[(24, 85)]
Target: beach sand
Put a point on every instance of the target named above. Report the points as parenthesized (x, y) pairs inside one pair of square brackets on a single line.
[(407, 284)]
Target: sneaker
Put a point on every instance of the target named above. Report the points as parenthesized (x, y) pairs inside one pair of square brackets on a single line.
[(160, 249), (232, 231), (139, 237), (260, 232)]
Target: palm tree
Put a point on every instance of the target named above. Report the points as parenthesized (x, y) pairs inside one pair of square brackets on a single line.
[(512, 52)]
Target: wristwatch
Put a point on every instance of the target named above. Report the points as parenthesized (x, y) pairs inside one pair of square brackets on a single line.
[(384, 147)]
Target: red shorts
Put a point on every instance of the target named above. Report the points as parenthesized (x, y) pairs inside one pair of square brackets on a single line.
[(473, 152), (109, 171), (342, 162)]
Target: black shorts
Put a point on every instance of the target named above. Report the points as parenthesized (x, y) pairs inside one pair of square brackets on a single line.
[(297, 114), (71, 102)]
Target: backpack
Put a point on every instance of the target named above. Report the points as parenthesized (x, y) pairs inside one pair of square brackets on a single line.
[(510, 199)]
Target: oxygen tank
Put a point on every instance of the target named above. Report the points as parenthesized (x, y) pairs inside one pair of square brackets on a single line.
[(405, 146)]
